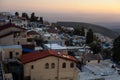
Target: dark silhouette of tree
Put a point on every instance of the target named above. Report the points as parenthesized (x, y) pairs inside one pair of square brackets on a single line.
[(106, 53), (95, 47), (76, 31), (67, 42), (25, 15), (41, 20), (33, 17), (16, 14), (82, 32), (39, 42), (8, 17), (116, 49), (89, 36), (61, 29)]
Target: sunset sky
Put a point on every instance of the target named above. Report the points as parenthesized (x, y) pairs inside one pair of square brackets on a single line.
[(71, 10)]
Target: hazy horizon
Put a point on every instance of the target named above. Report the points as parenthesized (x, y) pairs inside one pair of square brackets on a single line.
[(103, 12)]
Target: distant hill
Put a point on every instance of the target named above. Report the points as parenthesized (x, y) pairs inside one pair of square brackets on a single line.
[(95, 28), (116, 30)]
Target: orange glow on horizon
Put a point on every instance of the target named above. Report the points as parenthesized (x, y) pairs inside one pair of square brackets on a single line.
[(63, 6)]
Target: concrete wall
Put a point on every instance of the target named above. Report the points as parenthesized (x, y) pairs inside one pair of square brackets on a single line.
[(20, 40), (40, 73), (2, 23), (33, 36), (17, 52), (10, 40), (8, 30), (92, 61)]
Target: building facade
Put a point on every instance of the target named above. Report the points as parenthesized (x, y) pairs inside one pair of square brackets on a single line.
[(11, 34), (50, 67), (11, 52)]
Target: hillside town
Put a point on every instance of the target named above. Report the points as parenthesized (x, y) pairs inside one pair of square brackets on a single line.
[(34, 49)]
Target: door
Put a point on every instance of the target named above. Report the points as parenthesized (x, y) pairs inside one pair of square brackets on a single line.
[(11, 55)]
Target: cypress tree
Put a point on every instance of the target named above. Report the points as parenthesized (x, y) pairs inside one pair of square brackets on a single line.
[(116, 49), (32, 19), (89, 36), (41, 20)]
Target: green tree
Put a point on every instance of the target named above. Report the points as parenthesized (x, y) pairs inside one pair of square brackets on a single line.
[(89, 36), (116, 49)]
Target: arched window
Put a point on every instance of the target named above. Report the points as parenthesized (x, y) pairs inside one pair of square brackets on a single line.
[(46, 66), (32, 67), (53, 65), (71, 65), (64, 65)]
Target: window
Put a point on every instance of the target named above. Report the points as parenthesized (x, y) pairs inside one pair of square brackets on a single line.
[(53, 65), (46, 66), (98, 61), (11, 55), (16, 34), (64, 65), (71, 65), (18, 42), (17, 53), (32, 67), (88, 60)]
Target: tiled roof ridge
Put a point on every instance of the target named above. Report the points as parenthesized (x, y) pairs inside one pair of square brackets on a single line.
[(6, 34), (8, 25), (26, 58), (32, 32)]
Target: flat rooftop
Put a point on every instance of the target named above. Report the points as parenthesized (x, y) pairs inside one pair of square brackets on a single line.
[(99, 70)]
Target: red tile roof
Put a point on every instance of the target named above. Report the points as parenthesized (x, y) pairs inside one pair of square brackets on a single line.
[(8, 25), (30, 57), (91, 56)]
